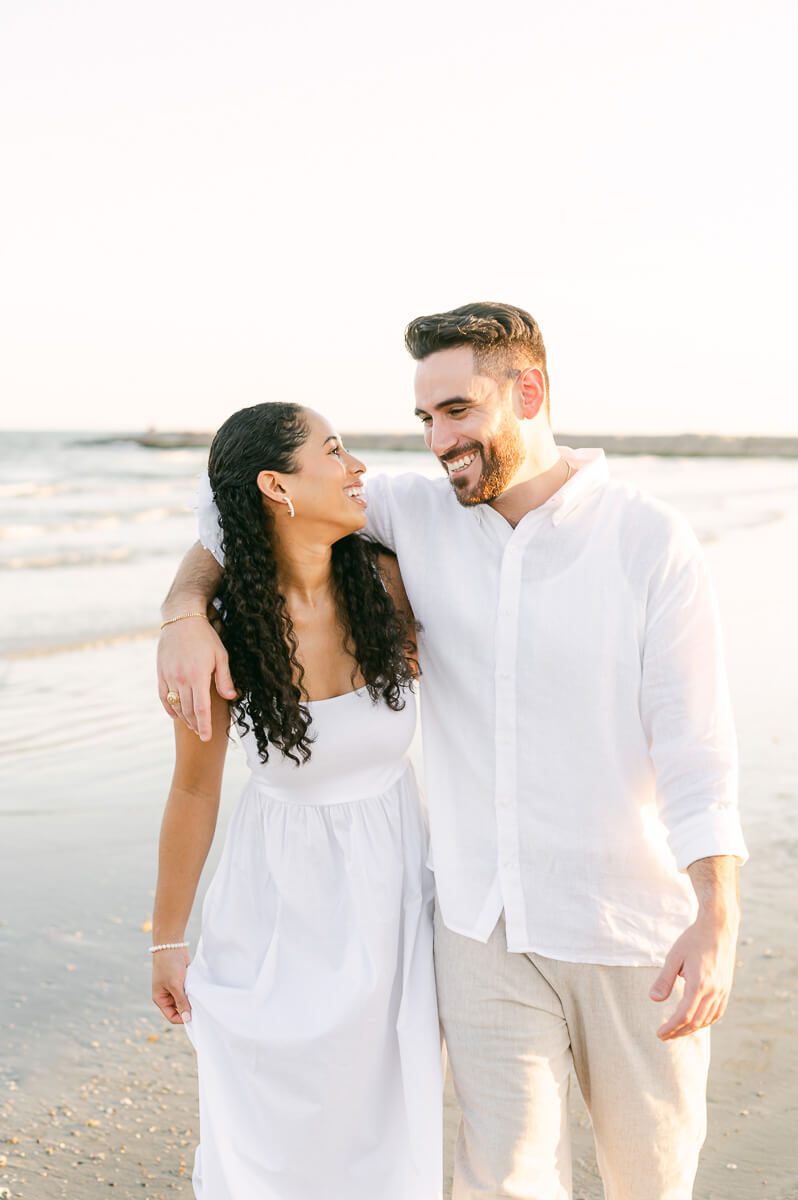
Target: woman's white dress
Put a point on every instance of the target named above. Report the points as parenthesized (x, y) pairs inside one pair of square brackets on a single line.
[(312, 988)]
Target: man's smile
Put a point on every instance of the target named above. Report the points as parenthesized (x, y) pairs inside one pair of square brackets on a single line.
[(456, 465)]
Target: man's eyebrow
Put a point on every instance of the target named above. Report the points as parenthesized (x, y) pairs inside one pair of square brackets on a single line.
[(332, 438), (420, 412)]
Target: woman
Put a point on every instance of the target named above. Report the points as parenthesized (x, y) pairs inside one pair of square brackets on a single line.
[(311, 996)]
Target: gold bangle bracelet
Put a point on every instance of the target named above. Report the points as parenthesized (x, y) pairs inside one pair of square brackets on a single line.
[(182, 617)]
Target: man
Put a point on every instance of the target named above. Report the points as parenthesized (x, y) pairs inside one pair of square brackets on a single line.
[(580, 771)]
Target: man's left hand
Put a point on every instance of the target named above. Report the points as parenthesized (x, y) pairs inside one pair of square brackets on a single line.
[(705, 954)]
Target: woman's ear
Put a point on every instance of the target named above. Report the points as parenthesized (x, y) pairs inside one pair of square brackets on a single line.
[(270, 486)]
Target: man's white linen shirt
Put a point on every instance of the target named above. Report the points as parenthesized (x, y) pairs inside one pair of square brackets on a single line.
[(579, 747)]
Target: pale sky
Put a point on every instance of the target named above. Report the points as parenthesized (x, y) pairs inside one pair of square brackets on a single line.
[(208, 205)]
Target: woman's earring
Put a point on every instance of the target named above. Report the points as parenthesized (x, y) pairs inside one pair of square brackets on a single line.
[(291, 512)]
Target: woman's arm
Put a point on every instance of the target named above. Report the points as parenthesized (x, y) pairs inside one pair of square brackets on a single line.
[(187, 830)]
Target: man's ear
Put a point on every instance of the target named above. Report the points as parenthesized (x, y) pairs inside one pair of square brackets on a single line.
[(270, 486), (532, 387)]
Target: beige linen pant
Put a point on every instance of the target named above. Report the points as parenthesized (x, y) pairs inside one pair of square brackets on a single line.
[(514, 1024)]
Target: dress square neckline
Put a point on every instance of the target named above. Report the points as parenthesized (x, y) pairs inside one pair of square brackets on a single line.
[(340, 696)]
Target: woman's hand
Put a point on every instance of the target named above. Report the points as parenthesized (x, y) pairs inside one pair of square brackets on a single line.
[(168, 984)]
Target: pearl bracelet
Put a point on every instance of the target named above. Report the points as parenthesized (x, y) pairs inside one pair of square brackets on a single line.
[(168, 946)]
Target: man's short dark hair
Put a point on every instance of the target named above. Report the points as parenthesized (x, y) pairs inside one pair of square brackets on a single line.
[(505, 339)]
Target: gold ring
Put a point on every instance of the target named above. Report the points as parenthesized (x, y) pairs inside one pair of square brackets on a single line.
[(173, 698)]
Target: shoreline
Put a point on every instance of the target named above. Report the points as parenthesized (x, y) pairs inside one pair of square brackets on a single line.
[(147, 633)]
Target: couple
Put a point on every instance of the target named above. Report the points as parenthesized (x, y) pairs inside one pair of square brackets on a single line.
[(580, 771)]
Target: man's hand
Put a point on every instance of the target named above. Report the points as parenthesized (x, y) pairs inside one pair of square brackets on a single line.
[(190, 655), (190, 652), (706, 953)]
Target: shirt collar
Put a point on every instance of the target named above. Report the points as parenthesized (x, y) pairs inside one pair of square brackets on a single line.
[(590, 473)]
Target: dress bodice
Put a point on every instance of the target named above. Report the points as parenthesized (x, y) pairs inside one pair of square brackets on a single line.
[(359, 749)]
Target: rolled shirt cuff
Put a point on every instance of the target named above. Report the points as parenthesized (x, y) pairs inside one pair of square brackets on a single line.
[(713, 833)]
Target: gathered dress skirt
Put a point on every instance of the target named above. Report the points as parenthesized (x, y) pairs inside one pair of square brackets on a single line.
[(312, 988)]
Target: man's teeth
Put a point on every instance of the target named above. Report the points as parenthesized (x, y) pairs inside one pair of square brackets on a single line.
[(459, 464)]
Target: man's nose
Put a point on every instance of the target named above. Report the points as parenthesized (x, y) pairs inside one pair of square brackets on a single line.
[(440, 438)]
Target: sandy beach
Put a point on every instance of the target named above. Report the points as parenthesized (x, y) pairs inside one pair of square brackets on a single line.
[(96, 1091)]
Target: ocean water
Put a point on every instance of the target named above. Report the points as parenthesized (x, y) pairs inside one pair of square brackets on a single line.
[(91, 532), (91, 529)]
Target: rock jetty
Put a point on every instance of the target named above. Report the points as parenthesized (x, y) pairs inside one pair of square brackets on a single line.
[(680, 445)]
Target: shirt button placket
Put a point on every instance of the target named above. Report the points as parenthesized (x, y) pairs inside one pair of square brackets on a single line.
[(506, 730)]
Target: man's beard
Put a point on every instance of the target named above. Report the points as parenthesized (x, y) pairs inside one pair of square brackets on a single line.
[(501, 459)]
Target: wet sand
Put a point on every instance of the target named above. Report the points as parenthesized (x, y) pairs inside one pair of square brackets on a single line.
[(96, 1091)]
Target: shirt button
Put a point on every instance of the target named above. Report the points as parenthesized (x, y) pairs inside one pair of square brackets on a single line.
[(504, 675)]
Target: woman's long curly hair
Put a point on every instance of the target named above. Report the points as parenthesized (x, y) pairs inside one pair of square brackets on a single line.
[(257, 629)]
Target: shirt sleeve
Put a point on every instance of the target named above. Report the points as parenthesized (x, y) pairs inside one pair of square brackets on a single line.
[(209, 527), (379, 520), (686, 708)]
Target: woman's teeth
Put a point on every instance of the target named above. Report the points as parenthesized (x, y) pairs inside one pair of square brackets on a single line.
[(460, 464), (356, 492)]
